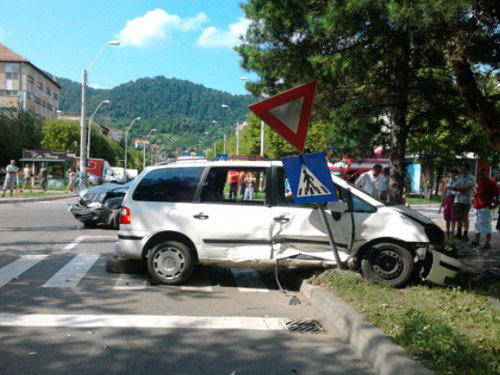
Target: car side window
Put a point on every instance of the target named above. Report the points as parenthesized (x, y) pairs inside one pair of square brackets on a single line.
[(284, 191), (235, 185), (169, 185), (359, 205)]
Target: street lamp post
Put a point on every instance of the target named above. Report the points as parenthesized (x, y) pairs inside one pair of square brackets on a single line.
[(83, 127), (144, 148), (91, 120), (126, 142), (237, 128)]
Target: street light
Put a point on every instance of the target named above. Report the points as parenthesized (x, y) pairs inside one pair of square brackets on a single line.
[(237, 129), (91, 120), (144, 148), (126, 141), (261, 126), (83, 124)]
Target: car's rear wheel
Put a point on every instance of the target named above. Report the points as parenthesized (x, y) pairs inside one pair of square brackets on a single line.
[(389, 264), (170, 263)]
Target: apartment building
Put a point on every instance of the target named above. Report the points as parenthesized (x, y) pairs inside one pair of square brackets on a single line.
[(26, 87)]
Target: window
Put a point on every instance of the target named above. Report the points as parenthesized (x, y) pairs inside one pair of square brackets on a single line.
[(39, 85), (169, 185), (48, 91), (49, 107), (12, 75), (30, 79), (55, 96), (9, 92), (37, 99), (235, 185)]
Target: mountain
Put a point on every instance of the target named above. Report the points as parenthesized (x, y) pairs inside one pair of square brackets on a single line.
[(172, 106)]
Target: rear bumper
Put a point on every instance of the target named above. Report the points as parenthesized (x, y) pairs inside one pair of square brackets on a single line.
[(129, 246)]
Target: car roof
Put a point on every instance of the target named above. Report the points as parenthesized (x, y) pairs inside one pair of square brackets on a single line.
[(219, 163)]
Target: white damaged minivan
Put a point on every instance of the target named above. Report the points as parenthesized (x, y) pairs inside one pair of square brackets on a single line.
[(239, 213)]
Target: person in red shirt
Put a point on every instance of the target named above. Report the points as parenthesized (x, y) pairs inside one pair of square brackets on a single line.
[(485, 199), (233, 184)]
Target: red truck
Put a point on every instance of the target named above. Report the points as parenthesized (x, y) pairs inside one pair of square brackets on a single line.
[(99, 171)]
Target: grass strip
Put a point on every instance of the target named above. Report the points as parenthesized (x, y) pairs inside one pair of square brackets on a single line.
[(452, 330)]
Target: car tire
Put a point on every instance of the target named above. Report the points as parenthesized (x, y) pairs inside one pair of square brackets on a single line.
[(117, 264), (170, 263), (389, 264)]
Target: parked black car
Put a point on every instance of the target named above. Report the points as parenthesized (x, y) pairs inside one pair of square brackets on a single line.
[(100, 205)]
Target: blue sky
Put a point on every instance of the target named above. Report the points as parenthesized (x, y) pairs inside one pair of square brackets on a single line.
[(186, 39)]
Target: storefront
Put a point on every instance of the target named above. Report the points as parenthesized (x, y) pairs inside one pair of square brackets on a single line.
[(57, 162)]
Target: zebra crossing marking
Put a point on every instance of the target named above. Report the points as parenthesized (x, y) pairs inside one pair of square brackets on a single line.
[(17, 267), (193, 288), (130, 282), (70, 275), (248, 280), (142, 321)]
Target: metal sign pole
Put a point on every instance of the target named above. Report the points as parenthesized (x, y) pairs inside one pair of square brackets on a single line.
[(330, 234)]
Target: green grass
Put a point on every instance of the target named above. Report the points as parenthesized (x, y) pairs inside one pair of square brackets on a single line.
[(451, 330), (32, 195), (435, 199)]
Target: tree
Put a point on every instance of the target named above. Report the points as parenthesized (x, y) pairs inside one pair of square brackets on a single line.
[(18, 130), (372, 59)]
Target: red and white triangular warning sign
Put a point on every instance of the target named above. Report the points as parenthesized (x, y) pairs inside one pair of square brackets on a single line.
[(289, 113)]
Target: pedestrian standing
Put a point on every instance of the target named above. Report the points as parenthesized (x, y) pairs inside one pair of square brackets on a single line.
[(448, 202), (10, 178), (463, 197), (370, 181), (233, 184), (384, 185), (250, 183), (71, 177), (43, 177), (241, 179), (485, 200), (28, 176)]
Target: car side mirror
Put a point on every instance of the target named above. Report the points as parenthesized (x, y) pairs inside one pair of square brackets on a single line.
[(338, 206)]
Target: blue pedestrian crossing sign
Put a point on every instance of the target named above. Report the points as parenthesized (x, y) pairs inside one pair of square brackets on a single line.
[(309, 178)]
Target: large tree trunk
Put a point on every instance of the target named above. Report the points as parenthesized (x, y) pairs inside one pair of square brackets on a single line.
[(478, 106), (399, 135)]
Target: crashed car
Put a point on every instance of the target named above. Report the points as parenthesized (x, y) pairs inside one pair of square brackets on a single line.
[(100, 205), (191, 212)]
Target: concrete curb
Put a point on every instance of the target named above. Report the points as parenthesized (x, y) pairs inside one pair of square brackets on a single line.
[(36, 199), (367, 341)]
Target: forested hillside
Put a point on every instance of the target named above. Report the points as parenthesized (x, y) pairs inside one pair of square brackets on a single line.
[(184, 110)]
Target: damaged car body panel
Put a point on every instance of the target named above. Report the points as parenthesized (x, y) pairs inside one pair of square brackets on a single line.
[(99, 205)]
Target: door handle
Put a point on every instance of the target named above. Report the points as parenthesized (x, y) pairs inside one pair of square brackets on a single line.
[(201, 216), (282, 219)]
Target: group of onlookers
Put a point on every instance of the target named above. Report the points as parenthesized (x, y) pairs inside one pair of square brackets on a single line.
[(19, 180), (243, 184), (456, 204), (375, 182)]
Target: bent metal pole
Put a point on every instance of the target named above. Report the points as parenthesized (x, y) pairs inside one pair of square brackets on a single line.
[(324, 219)]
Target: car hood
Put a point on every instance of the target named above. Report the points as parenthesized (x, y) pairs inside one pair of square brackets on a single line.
[(412, 213), (98, 193)]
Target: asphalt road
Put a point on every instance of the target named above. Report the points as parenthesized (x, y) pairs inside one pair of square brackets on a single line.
[(61, 312)]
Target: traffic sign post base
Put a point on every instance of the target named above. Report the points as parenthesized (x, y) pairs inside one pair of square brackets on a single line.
[(322, 214)]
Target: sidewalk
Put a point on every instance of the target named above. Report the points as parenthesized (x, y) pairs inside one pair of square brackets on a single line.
[(474, 260), (21, 199)]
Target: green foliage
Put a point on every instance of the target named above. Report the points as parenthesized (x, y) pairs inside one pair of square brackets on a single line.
[(181, 111), (63, 135), (18, 130), (449, 330)]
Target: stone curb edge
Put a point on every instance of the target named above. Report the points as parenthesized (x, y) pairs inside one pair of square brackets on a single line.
[(369, 342), (36, 199)]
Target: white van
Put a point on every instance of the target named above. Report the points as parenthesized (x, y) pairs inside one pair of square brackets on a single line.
[(184, 213)]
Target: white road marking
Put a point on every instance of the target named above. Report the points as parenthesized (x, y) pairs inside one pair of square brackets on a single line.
[(142, 321), (70, 275), (79, 239), (130, 282), (193, 288), (17, 267), (248, 280)]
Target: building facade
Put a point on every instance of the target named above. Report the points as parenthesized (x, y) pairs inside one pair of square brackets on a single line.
[(23, 86)]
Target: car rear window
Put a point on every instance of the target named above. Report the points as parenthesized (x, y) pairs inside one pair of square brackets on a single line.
[(169, 185)]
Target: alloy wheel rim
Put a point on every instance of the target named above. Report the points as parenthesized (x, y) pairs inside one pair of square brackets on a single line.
[(169, 263)]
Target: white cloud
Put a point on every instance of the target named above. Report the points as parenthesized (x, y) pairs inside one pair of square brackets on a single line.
[(214, 37), (157, 25)]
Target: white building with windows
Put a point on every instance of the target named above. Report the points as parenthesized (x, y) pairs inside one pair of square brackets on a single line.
[(24, 86)]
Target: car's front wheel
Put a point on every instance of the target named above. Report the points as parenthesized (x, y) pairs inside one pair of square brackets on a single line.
[(170, 263), (388, 263)]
